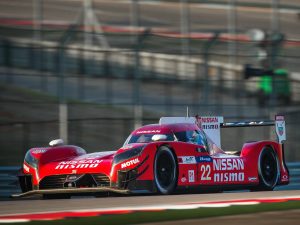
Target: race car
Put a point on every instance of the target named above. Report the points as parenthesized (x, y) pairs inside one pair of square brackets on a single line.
[(178, 154)]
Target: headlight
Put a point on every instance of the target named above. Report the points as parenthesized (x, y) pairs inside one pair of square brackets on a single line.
[(30, 160), (128, 154)]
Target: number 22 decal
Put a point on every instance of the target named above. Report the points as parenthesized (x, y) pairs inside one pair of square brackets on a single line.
[(206, 170)]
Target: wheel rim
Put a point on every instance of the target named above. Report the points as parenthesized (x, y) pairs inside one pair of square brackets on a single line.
[(269, 168), (165, 170)]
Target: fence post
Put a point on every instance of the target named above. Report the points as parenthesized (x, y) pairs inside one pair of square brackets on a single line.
[(196, 85), (81, 73), (63, 108), (221, 88), (108, 76), (207, 47), (63, 121)]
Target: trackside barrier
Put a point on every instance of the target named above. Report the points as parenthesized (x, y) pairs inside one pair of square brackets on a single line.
[(294, 168), (9, 183), (8, 180)]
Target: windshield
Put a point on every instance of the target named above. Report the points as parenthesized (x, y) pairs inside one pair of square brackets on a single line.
[(190, 136), (145, 138)]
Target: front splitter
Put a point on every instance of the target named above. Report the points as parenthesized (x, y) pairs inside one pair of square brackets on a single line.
[(71, 191)]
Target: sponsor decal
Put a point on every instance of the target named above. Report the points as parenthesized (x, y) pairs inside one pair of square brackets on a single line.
[(201, 159), (39, 151), (193, 159), (26, 168), (228, 164), (285, 178), (130, 163), (183, 179), (280, 128), (210, 123), (80, 164), (211, 127), (229, 177), (252, 178), (191, 176), (148, 131), (188, 160), (74, 171), (209, 119)]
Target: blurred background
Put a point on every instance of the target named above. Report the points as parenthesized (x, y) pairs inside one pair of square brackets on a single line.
[(91, 71)]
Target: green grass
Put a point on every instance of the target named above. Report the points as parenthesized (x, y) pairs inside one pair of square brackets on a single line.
[(173, 215)]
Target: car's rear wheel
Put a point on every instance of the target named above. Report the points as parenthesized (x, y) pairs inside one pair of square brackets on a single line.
[(165, 170), (268, 170)]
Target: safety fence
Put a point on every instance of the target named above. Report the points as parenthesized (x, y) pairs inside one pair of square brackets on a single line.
[(9, 182), (49, 60)]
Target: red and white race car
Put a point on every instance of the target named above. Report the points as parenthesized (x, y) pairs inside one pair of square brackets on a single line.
[(177, 154)]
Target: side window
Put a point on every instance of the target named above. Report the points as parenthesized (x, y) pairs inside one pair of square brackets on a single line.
[(198, 137), (204, 139), (193, 136)]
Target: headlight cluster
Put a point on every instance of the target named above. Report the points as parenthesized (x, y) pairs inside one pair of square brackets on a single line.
[(128, 154), (30, 160)]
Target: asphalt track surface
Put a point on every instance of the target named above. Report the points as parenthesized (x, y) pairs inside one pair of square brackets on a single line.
[(89, 203)]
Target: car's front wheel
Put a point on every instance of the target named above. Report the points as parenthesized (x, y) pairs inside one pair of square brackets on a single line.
[(165, 170)]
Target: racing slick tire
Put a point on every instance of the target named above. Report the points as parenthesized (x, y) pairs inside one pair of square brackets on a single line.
[(165, 170), (268, 169)]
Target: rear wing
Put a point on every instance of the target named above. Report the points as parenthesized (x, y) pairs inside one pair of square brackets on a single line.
[(279, 124), (212, 125)]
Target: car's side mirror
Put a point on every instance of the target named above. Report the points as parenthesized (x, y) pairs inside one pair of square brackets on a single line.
[(56, 142), (159, 137)]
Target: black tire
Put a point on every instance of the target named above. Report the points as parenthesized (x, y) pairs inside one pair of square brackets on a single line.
[(268, 170), (165, 170)]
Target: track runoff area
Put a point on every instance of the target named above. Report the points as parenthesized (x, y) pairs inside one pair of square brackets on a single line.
[(143, 213)]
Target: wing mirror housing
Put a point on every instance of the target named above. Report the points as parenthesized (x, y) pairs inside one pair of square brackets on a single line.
[(56, 142), (159, 137)]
